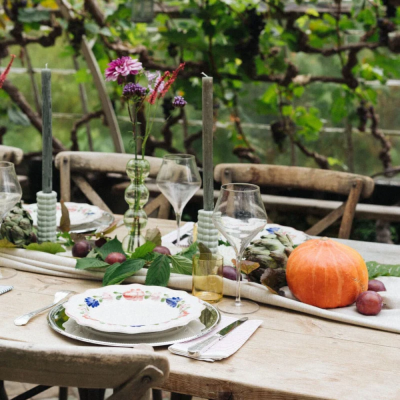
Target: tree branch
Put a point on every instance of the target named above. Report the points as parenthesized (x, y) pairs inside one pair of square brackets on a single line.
[(83, 120)]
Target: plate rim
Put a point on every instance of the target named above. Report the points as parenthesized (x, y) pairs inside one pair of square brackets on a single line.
[(56, 309), (136, 330)]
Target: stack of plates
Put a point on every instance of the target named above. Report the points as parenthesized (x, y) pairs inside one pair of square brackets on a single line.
[(128, 315), (83, 217)]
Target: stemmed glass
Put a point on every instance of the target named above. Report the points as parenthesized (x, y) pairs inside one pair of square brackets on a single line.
[(239, 215), (10, 195), (178, 180)]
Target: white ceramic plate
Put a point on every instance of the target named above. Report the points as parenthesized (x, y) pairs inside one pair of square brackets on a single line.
[(133, 309), (297, 237), (78, 213)]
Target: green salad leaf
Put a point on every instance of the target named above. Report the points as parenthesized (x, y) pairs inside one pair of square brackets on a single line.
[(376, 269), (46, 247)]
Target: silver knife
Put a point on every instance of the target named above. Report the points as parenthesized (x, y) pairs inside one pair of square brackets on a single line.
[(196, 349), (5, 289)]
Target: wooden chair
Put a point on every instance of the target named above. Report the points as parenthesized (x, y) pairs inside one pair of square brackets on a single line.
[(130, 372), (11, 154), (71, 163), (351, 185)]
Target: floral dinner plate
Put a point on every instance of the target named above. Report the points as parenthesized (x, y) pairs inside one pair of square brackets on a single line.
[(78, 213), (133, 309)]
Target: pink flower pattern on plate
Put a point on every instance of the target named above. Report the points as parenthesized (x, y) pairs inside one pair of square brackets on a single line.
[(134, 294)]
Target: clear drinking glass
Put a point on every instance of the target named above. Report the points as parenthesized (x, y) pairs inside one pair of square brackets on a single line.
[(239, 215), (207, 283), (10, 195), (178, 180)]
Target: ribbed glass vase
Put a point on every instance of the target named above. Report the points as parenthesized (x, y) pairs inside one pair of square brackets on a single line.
[(136, 195)]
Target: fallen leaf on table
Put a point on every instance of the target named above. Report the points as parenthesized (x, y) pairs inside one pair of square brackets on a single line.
[(65, 223)]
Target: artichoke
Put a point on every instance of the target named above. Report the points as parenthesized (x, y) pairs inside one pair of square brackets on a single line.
[(271, 252), (17, 227)]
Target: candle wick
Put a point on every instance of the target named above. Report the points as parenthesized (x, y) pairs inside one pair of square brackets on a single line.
[(205, 75)]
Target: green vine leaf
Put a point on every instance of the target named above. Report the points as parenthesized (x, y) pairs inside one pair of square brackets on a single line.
[(190, 251), (181, 265), (112, 246), (376, 269), (119, 272), (143, 250), (159, 271), (46, 247), (89, 263)]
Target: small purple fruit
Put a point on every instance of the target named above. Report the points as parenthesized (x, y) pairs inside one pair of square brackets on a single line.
[(230, 273), (369, 303), (81, 249), (115, 257), (33, 237), (100, 242), (376, 286), (162, 250)]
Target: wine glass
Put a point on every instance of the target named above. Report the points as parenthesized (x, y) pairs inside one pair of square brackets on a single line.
[(239, 215), (178, 180), (10, 195)]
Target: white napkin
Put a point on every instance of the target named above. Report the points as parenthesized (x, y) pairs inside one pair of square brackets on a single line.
[(227, 346), (186, 229)]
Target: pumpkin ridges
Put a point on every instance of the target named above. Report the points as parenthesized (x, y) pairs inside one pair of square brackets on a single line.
[(326, 273)]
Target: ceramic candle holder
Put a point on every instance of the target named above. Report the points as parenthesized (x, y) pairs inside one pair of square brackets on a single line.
[(46, 216), (206, 231)]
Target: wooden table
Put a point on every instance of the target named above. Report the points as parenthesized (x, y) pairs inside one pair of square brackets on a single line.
[(291, 356)]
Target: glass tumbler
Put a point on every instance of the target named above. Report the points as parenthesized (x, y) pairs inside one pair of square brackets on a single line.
[(208, 277)]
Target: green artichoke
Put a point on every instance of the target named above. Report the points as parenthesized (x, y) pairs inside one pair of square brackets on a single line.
[(17, 227)]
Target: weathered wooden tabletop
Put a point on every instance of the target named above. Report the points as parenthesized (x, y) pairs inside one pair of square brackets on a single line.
[(291, 356)]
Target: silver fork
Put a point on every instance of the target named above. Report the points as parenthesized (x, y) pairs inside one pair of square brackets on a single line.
[(24, 319)]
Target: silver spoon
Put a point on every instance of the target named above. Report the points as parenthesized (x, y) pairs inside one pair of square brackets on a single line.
[(24, 319)]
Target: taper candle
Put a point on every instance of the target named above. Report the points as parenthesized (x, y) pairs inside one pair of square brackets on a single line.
[(208, 163), (47, 150)]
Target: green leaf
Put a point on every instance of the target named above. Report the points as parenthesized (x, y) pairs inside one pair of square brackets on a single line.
[(181, 265), (17, 117), (88, 263), (143, 250), (5, 244), (190, 251), (122, 271), (46, 247), (112, 246), (376, 269), (159, 271), (32, 15)]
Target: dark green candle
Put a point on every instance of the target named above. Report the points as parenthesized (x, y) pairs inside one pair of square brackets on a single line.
[(208, 164), (47, 150)]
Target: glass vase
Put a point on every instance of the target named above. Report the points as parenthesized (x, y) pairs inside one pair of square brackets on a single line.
[(136, 195)]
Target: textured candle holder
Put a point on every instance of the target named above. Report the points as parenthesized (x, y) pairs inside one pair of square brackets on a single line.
[(46, 216), (207, 233), (136, 195)]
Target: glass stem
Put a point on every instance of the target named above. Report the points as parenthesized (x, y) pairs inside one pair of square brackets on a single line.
[(178, 231), (238, 276)]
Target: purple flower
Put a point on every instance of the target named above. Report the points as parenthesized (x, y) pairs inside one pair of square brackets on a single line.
[(121, 67), (179, 102), (152, 79), (134, 89)]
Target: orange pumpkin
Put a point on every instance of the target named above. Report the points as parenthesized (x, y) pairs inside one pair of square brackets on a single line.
[(326, 274)]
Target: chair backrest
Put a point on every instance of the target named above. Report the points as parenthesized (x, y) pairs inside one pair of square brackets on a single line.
[(71, 163), (11, 154), (131, 372), (352, 185)]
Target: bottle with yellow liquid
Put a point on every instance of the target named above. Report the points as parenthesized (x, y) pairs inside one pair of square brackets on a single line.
[(207, 277)]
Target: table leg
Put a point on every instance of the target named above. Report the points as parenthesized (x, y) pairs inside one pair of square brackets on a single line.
[(3, 394), (63, 393), (91, 394), (178, 396)]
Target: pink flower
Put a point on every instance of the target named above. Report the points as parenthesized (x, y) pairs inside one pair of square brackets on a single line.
[(122, 67)]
